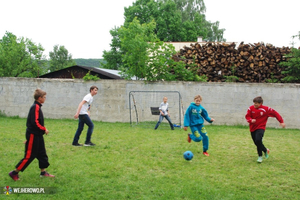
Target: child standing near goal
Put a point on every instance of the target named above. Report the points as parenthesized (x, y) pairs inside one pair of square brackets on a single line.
[(164, 113), (35, 145), (194, 118), (257, 117)]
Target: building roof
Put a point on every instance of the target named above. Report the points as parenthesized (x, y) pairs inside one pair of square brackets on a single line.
[(78, 71)]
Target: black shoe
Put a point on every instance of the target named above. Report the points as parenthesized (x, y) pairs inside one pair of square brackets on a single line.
[(77, 145), (89, 144)]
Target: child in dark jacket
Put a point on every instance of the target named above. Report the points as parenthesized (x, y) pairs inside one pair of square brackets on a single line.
[(35, 145), (193, 118)]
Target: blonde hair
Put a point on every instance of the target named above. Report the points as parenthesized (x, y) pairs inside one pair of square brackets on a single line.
[(198, 97), (38, 93)]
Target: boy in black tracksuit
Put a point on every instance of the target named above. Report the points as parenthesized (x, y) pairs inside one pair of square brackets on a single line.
[(35, 145)]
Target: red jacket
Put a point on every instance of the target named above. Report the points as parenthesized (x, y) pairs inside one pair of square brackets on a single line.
[(261, 114)]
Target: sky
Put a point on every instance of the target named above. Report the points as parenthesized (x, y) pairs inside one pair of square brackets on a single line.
[(82, 27)]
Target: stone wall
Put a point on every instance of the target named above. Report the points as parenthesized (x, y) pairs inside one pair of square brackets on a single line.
[(226, 102)]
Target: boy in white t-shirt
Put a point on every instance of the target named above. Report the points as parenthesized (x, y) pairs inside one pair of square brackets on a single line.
[(83, 113), (164, 112)]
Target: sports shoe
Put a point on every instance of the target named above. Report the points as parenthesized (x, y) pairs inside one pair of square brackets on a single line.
[(189, 138), (77, 145), (260, 159), (15, 177), (267, 154), (46, 175), (89, 144), (205, 153)]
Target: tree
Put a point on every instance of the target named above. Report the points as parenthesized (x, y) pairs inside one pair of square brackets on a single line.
[(113, 57), (292, 66), (189, 8), (20, 57), (60, 58), (147, 57), (175, 20), (135, 43)]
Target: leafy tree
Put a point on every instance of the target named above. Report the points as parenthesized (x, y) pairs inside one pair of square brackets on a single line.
[(148, 58), (134, 42), (60, 58), (176, 20), (20, 57), (189, 8), (292, 66), (113, 57)]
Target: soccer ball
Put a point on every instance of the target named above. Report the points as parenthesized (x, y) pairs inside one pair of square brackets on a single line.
[(188, 155)]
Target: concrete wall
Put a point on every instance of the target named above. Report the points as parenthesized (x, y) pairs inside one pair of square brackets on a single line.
[(226, 102)]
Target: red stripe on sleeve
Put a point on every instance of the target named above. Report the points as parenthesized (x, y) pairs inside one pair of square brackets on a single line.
[(37, 109)]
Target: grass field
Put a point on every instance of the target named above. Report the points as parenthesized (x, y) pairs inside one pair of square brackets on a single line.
[(142, 163)]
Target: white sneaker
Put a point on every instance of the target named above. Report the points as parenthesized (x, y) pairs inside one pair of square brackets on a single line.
[(260, 159)]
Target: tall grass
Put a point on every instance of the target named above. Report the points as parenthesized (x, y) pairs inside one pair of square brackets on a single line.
[(142, 163)]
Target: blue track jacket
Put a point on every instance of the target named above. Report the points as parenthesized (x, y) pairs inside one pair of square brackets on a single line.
[(194, 115)]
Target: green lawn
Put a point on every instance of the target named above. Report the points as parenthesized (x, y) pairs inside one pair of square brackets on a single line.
[(142, 163)]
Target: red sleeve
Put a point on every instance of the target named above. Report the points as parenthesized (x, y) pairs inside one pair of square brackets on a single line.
[(37, 122), (274, 113), (248, 115)]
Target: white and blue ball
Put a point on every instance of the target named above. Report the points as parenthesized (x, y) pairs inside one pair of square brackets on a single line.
[(188, 155)]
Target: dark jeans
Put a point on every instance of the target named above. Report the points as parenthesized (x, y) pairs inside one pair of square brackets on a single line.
[(160, 120), (257, 137), (84, 119)]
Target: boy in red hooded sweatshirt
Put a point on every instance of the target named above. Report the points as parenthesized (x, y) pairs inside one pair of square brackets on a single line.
[(257, 117)]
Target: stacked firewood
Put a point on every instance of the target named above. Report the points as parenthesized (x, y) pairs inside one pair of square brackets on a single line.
[(222, 62)]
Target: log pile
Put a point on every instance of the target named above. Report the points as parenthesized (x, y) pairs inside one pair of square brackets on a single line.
[(247, 63)]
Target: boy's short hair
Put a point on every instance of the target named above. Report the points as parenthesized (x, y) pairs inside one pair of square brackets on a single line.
[(93, 87), (198, 97), (38, 93), (258, 99)]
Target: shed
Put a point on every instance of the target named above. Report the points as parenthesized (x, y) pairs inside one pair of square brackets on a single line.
[(78, 71)]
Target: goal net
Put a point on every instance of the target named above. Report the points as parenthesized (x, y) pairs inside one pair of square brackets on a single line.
[(143, 106)]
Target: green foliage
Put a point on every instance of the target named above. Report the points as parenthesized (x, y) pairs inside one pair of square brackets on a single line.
[(159, 62), (148, 58), (175, 20), (89, 77), (292, 67), (124, 167), (232, 78), (135, 42), (202, 78), (88, 62), (189, 8), (113, 57), (60, 58), (186, 72), (272, 79), (20, 57)]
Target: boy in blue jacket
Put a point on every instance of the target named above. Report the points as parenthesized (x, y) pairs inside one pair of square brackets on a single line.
[(193, 118)]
